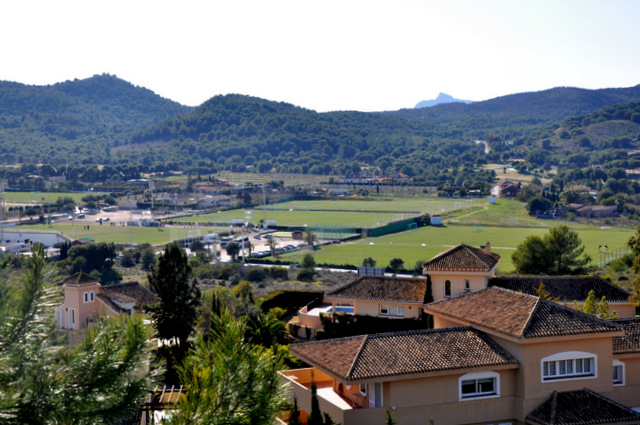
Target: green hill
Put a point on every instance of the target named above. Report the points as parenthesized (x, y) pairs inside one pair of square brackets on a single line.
[(105, 128)]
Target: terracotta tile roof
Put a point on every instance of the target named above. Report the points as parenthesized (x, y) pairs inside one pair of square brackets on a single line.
[(404, 353), (630, 342), (128, 292), (566, 288), (80, 279), (519, 315), (581, 407), (383, 288), (463, 257)]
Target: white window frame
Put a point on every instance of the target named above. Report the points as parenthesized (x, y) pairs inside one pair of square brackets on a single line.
[(479, 376), (391, 310), (620, 365), (568, 365), (363, 390), (88, 297), (447, 283)]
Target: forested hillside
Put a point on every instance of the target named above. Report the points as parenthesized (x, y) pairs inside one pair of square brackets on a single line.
[(75, 120), (103, 128)]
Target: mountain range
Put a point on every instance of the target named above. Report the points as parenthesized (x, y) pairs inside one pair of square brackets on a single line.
[(106, 122)]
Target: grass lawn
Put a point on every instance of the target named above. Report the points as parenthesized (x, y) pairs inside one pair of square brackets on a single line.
[(341, 213), (127, 234), (41, 197), (423, 244)]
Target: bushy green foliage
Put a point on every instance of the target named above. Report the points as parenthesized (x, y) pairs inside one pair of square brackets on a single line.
[(340, 325), (93, 258), (289, 300), (230, 380)]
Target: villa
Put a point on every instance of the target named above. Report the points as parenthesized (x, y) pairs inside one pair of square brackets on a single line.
[(496, 356), (85, 298)]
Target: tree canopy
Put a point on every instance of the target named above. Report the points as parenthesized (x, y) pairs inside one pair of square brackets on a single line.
[(559, 252)]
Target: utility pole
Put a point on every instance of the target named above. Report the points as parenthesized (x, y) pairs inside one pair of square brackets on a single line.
[(2, 209)]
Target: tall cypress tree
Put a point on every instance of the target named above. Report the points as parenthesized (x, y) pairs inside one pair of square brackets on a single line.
[(175, 312)]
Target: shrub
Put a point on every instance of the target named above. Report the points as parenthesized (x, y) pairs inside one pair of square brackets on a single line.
[(255, 275), (281, 273), (305, 275)]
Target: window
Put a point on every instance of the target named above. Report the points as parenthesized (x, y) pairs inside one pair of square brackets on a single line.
[(391, 310), (569, 365), (363, 389), (91, 295), (86, 297), (479, 385), (447, 288), (618, 372), (467, 285)]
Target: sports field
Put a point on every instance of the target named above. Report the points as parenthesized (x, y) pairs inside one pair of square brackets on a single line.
[(128, 234), (42, 197), (340, 213), (424, 243)]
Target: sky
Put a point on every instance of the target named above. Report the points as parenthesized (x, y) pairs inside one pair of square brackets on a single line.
[(325, 55)]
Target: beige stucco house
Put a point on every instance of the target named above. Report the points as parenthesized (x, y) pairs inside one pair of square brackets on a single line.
[(456, 271), (495, 357), (382, 296), (85, 298), (461, 269)]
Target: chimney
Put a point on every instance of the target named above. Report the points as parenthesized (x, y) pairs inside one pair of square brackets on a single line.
[(487, 248)]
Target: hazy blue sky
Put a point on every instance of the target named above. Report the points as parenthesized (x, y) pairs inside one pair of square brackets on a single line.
[(325, 55)]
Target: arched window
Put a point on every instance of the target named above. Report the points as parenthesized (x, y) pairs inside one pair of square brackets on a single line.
[(447, 288)]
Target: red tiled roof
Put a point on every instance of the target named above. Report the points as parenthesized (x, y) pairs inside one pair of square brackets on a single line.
[(385, 288), (581, 407), (463, 257), (404, 353), (519, 315), (80, 279), (127, 292), (566, 288), (630, 342)]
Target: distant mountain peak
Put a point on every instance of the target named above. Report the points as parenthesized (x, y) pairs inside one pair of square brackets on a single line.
[(442, 98)]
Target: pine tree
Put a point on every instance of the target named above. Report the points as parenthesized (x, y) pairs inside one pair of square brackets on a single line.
[(229, 380), (42, 380)]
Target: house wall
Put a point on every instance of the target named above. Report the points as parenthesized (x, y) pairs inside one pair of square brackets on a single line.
[(629, 393), (530, 389), (372, 308), (477, 281), (413, 401), (623, 309), (74, 299)]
